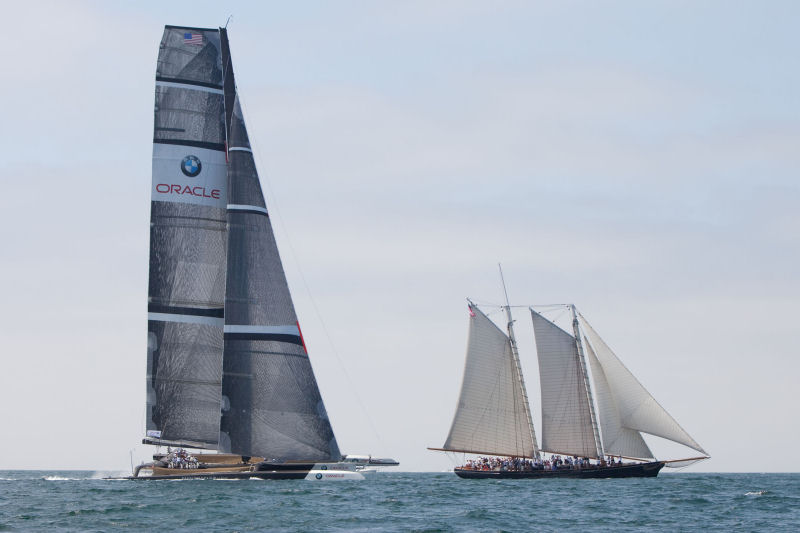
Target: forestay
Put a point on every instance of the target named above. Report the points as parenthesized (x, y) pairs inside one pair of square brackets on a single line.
[(637, 409), (490, 416), (566, 417)]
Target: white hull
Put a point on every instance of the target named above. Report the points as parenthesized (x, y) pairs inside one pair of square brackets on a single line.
[(333, 475)]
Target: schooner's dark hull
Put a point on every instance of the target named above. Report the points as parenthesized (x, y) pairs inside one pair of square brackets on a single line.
[(599, 472)]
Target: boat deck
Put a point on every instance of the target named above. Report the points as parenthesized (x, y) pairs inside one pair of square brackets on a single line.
[(595, 472)]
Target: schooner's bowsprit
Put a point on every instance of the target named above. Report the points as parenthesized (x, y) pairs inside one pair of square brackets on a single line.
[(228, 373), (592, 412)]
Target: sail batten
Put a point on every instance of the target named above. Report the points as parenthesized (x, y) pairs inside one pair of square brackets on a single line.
[(490, 416)]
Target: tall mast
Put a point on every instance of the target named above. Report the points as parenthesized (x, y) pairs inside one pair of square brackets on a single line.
[(525, 405), (582, 360)]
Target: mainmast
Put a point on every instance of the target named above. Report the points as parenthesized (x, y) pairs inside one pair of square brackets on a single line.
[(585, 374), (525, 405)]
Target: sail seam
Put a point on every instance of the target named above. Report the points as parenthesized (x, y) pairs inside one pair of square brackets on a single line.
[(188, 81), (288, 334), (190, 86), (186, 319), (192, 381), (215, 312), (220, 147), (248, 328), (171, 27), (279, 337), (253, 208)]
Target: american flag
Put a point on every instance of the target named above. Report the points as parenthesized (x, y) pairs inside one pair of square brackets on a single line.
[(192, 38)]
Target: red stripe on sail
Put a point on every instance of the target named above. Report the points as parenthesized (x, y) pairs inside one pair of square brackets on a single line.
[(301, 337)]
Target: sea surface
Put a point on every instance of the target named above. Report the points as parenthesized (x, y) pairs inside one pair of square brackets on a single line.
[(83, 501)]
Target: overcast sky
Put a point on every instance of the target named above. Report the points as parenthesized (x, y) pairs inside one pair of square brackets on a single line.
[(638, 159)]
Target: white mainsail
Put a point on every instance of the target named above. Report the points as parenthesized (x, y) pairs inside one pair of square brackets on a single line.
[(617, 439), (566, 417), (491, 415), (637, 409)]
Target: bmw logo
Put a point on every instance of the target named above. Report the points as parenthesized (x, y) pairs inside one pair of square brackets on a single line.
[(324, 467), (318, 476), (191, 166)]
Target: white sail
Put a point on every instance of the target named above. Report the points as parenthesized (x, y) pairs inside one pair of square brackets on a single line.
[(490, 417), (617, 440), (566, 418), (637, 409)]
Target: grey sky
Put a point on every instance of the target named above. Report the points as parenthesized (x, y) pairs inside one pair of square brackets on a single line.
[(637, 160)]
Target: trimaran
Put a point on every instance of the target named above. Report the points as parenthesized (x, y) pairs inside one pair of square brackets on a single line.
[(228, 372), (592, 407)]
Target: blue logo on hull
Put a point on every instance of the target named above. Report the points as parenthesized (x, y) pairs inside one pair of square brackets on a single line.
[(191, 166), (318, 476)]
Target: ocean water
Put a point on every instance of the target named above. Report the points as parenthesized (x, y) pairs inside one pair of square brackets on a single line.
[(82, 501)]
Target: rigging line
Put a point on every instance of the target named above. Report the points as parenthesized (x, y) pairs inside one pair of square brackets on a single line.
[(517, 306), (276, 209)]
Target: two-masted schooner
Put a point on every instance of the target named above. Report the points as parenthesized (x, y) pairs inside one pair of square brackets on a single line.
[(593, 408), (228, 372)]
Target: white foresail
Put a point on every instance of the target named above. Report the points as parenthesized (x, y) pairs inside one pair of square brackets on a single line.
[(566, 418), (617, 440), (637, 409), (490, 416)]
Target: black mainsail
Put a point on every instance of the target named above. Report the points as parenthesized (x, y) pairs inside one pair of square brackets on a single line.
[(187, 241), (227, 368)]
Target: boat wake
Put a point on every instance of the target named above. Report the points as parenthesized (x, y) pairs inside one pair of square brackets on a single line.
[(756, 493)]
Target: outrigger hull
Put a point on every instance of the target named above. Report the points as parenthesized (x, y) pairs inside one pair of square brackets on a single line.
[(599, 472)]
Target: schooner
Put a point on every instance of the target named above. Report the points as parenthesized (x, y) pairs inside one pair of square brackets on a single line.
[(592, 406)]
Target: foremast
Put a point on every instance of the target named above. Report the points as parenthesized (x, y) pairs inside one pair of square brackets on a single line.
[(518, 367), (586, 383)]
